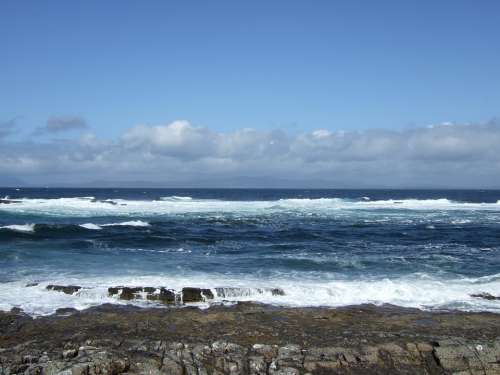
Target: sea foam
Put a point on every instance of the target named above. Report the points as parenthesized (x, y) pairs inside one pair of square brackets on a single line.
[(20, 228), (416, 291), (88, 206)]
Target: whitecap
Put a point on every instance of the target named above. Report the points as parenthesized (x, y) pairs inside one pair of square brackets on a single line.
[(133, 223), (88, 206), (20, 228), (91, 226)]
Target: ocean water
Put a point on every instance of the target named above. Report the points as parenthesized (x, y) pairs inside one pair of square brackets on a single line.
[(424, 249)]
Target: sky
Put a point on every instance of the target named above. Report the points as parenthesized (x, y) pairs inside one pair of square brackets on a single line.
[(260, 93)]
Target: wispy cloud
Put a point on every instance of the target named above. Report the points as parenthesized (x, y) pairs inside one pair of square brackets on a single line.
[(7, 128), (59, 124), (447, 155)]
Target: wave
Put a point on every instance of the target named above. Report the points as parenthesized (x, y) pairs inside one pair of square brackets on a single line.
[(89, 206), (50, 229), (91, 226), (133, 223), (175, 198), (416, 291), (26, 228)]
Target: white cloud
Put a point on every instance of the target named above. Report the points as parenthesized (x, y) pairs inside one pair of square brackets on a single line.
[(448, 155)]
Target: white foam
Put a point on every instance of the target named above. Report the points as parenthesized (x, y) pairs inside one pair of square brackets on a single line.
[(133, 223), (417, 291), (175, 198), (20, 228), (91, 226), (88, 206)]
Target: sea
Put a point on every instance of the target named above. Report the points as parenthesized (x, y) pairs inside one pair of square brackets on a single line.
[(426, 249)]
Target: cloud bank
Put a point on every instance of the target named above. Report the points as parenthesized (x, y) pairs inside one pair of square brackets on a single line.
[(182, 154)]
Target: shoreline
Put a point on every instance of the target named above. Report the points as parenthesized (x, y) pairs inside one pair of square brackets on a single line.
[(250, 338)]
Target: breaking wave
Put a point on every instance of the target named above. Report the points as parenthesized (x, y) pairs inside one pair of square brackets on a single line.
[(26, 228), (89, 206), (417, 291)]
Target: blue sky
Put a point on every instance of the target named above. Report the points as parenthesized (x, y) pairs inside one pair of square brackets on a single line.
[(294, 65), (335, 94)]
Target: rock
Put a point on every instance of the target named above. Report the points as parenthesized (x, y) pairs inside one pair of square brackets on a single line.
[(68, 289), (290, 356), (70, 353), (66, 311), (30, 285), (112, 291), (8, 201), (165, 296), (172, 367), (196, 295), (277, 292), (162, 295), (130, 293), (487, 296)]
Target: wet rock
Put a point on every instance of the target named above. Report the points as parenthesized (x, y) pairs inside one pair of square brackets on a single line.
[(196, 295), (162, 295), (66, 311), (130, 293), (165, 296), (67, 289), (16, 310), (30, 285), (277, 292), (112, 291), (487, 296), (8, 201)]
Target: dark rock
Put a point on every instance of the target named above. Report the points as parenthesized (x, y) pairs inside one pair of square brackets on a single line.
[(277, 292), (112, 291), (8, 201), (196, 295), (31, 284), (485, 296), (130, 293), (68, 289), (16, 310), (66, 311), (165, 296)]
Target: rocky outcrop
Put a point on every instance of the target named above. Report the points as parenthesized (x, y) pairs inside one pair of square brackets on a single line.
[(162, 295), (220, 357), (170, 296), (487, 296), (196, 295), (250, 339), (8, 201), (68, 289)]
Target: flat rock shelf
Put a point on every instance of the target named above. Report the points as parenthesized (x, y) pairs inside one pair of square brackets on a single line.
[(250, 338)]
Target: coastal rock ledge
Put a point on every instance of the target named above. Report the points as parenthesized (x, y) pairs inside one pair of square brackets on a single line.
[(248, 338), (220, 357)]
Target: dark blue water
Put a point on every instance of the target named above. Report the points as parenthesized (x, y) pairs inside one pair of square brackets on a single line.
[(421, 248)]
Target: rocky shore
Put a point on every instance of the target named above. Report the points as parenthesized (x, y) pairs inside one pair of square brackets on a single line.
[(249, 339)]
